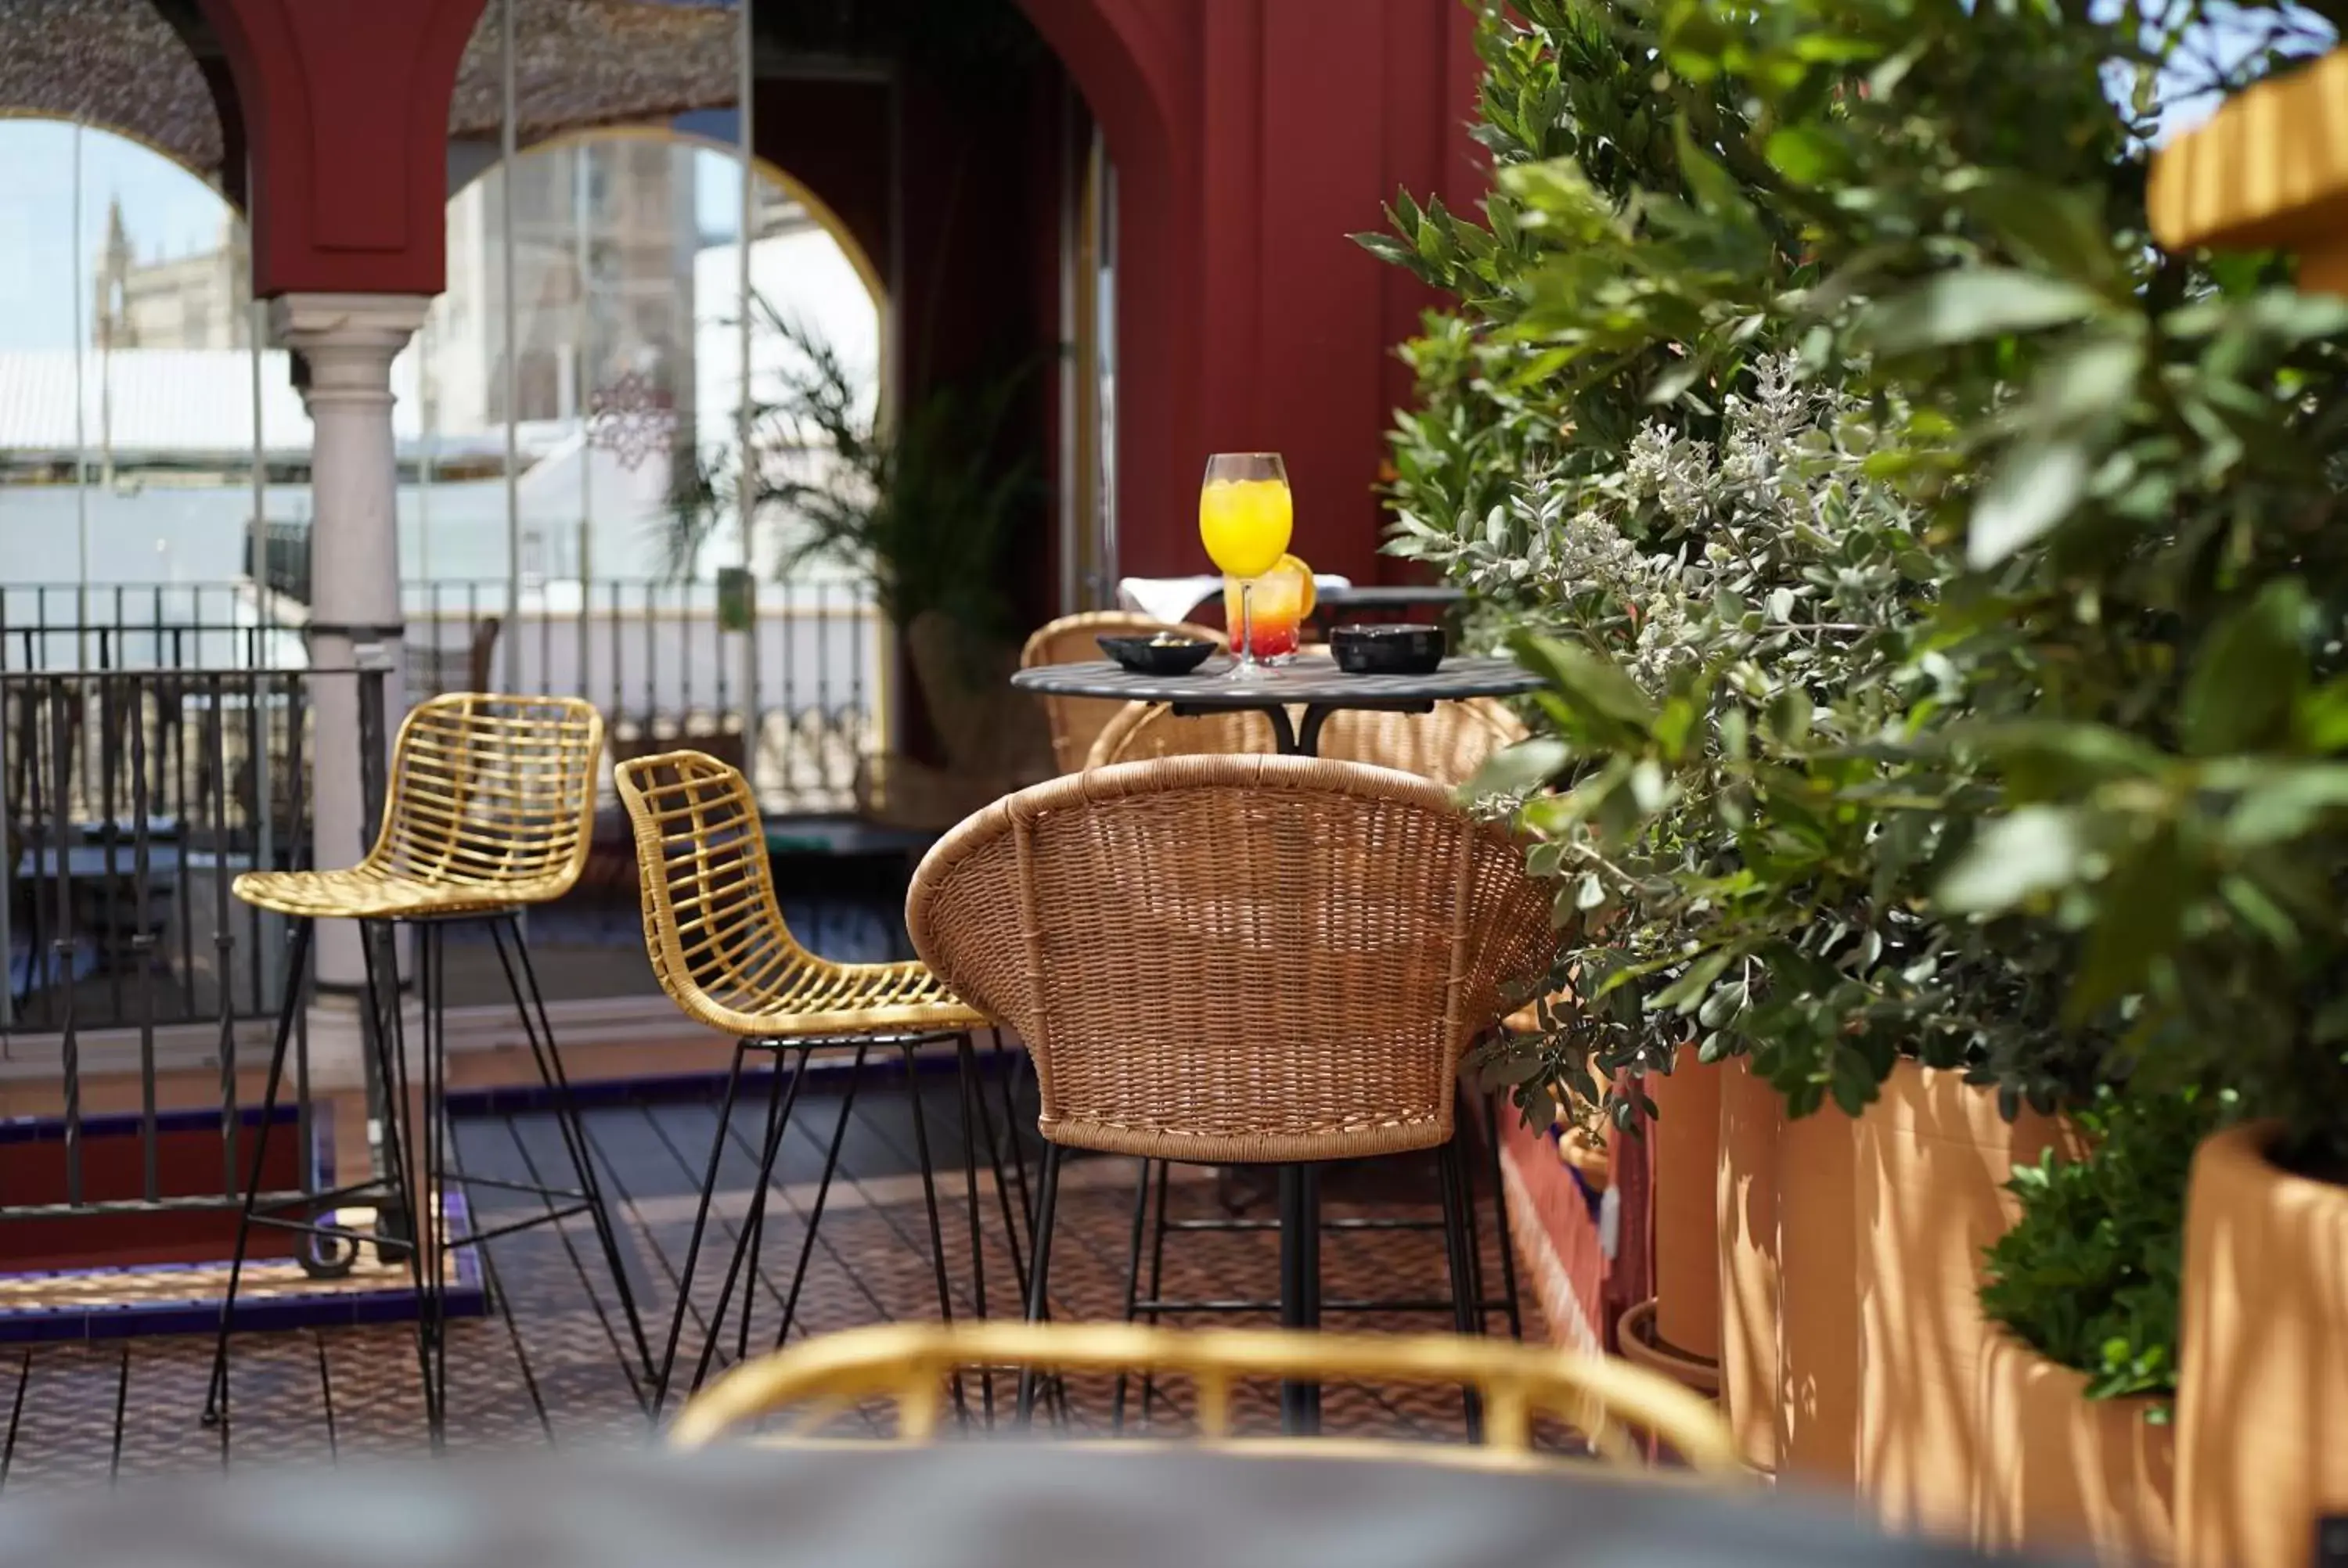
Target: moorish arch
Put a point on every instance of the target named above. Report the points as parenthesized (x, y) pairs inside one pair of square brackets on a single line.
[(1251, 139)]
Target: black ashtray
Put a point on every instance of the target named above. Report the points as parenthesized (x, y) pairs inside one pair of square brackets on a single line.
[(1166, 653), (1388, 649)]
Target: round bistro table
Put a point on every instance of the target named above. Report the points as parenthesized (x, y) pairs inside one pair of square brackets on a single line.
[(1314, 685), (978, 1505)]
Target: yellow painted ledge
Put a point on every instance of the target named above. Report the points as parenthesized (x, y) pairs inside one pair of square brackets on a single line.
[(2269, 170)]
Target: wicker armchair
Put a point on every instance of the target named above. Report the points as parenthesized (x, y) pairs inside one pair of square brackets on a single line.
[(1446, 745), (723, 952), (1242, 959), (1076, 722)]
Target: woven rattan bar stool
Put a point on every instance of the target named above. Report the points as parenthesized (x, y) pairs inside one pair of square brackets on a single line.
[(1076, 722), (723, 953), (1447, 745), (1239, 960), (489, 812)]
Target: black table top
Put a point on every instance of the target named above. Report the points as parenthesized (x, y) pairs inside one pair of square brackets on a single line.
[(1001, 1505), (1308, 683)]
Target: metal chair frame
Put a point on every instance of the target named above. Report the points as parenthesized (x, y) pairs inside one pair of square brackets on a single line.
[(724, 955), (489, 810)]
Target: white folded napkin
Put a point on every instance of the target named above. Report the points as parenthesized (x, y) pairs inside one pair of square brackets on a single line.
[(1175, 598)]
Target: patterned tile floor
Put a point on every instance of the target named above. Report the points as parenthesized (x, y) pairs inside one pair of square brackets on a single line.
[(550, 1365)]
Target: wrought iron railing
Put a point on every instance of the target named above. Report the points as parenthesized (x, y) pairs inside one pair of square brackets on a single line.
[(132, 799), (793, 688)]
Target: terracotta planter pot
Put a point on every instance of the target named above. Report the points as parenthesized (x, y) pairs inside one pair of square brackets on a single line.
[(1933, 1158), (1818, 1311), (1686, 1134), (1745, 1210), (2061, 1471), (2263, 1400), (1642, 1348)]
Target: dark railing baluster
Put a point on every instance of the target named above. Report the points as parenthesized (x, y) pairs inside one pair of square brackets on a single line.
[(44, 755), (223, 935), (108, 764), (142, 945), (260, 801), (723, 707), (70, 1047), (649, 619), (183, 828), (619, 662), (297, 777)]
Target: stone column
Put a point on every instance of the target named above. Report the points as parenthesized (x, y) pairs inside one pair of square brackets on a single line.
[(349, 341)]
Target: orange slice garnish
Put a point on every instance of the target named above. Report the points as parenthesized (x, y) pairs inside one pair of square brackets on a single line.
[(1296, 564)]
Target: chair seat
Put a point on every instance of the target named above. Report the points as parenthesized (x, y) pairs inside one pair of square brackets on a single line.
[(821, 1000), (367, 893)]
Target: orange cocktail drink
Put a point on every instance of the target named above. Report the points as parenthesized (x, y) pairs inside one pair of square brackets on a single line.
[(1282, 598)]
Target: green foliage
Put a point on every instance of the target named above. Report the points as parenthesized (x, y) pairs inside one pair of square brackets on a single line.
[(926, 510), (2089, 1275), (2088, 813)]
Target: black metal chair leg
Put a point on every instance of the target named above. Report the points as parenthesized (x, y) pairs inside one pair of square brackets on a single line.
[(1002, 1186), (1132, 1283), (753, 1236), (1458, 1236), (906, 1050), (746, 1239), (1300, 1285), (1008, 1071), (434, 1232), (822, 1192), (1508, 1296), (550, 1073), (700, 1224), (1464, 1196), (389, 1035), (1039, 1272), (974, 1095), (1157, 1277), (216, 1392)]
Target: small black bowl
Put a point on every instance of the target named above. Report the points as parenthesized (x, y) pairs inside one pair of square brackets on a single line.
[(1388, 649), (1163, 654)]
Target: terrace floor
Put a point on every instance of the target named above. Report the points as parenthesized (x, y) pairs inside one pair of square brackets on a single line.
[(547, 1368)]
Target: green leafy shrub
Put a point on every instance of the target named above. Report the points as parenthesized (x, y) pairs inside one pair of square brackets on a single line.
[(2089, 1276), (2068, 805), (2108, 780)]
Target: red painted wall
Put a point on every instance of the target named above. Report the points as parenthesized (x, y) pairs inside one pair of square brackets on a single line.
[(1250, 137)]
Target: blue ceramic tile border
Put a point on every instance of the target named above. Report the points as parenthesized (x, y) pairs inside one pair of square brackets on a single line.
[(467, 1294), (467, 1297), (507, 1100)]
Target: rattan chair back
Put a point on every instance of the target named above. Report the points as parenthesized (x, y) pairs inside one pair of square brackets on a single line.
[(1608, 1401), (714, 930), (1076, 722), (1447, 745), (1149, 732), (1236, 958), (494, 792)]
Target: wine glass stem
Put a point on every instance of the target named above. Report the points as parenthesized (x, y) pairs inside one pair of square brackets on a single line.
[(1247, 621)]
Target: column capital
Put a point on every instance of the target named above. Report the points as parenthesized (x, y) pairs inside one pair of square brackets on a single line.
[(382, 322), (349, 341)]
